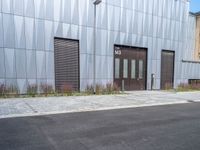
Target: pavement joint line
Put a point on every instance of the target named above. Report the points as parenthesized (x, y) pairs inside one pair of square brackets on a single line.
[(35, 111), (88, 110)]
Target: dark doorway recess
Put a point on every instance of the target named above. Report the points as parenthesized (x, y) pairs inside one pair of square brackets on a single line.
[(67, 72), (194, 81), (167, 69), (130, 67)]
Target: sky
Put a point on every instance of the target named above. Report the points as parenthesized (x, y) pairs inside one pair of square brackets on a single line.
[(195, 5)]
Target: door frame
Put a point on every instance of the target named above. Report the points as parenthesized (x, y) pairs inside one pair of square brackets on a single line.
[(127, 46), (174, 54)]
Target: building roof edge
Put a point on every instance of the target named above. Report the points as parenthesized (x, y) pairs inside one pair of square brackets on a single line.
[(195, 14)]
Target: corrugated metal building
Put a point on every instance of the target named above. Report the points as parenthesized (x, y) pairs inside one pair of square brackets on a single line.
[(135, 39)]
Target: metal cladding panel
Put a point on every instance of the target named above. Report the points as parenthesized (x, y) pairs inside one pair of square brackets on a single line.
[(7, 6), (18, 7), (8, 31), (0, 10), (66, 64), (29, 8), (1, 30), (19, 32), (2, 65), (31, 64)]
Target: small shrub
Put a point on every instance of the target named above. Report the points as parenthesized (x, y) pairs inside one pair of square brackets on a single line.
[(2, 90), (89, 89), (112, 88), (116, 88), (109, 88), (183, 87), (168, 86), (11, 90), (188, 87), (195, 86), (67, 89), (32, 90), (46, 89), (101, 89)]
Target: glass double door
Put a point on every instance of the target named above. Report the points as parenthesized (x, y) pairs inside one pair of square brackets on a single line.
[(130, 68)]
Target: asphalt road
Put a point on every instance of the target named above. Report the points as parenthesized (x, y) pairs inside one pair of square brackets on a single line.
[(175, 127)]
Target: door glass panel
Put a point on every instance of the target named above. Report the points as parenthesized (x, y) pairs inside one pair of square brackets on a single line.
[(125, 69), (133, 67), (117, 68), (141, 63)]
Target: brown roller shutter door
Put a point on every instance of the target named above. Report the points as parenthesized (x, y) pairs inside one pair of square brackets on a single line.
[(66, 63)]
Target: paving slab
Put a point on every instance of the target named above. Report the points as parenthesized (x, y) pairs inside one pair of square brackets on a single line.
[(52, 105)]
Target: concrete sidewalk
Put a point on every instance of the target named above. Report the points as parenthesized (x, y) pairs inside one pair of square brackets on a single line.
[(53, 105)]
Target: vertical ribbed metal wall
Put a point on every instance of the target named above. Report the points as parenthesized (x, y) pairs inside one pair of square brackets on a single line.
[(28, 28)]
